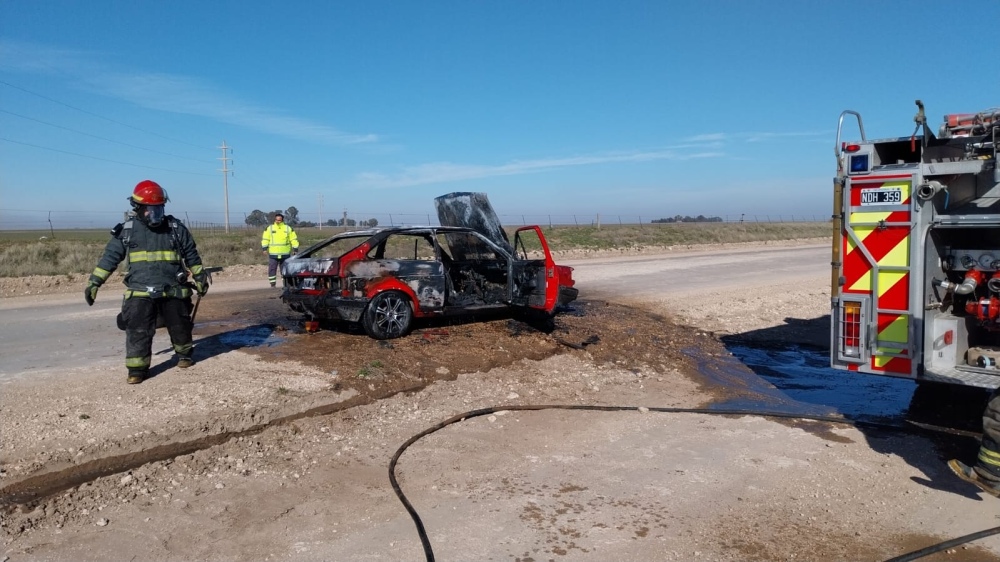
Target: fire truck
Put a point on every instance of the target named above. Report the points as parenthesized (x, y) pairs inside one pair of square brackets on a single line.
[(915, 284)]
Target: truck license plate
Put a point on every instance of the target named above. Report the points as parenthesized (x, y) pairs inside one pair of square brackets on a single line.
[(881, 196)]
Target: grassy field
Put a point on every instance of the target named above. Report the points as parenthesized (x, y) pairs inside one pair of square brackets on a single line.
[(24, 253)]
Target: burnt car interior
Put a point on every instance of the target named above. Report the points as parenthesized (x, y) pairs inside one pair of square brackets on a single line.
[(476, 272)]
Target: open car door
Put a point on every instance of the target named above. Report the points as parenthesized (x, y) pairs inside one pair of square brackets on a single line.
[(535, 281), (535, 278)]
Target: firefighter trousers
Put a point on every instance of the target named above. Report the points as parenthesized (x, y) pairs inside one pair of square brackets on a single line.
[(139, 315), (274, 262), (988, 464)]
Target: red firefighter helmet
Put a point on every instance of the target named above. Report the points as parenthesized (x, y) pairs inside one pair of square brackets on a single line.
[(148, 192)]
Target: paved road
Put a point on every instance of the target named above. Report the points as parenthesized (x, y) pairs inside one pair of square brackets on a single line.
[(62, 331), (644, 276), (44, 334)]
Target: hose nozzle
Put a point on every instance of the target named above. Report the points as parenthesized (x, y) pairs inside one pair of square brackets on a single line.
[(948, 286)]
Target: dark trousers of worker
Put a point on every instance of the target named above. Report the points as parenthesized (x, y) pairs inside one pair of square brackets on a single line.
[(273, 263), (139, 315), (988, 465)]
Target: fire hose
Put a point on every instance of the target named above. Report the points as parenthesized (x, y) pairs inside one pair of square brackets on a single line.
[(425, 541)]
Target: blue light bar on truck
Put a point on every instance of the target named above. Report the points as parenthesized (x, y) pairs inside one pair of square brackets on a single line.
[(859, 164)]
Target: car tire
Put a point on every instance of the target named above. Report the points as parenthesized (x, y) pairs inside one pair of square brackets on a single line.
[(388, 316)]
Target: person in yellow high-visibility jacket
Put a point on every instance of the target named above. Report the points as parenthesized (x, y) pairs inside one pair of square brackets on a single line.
[(279, 242)]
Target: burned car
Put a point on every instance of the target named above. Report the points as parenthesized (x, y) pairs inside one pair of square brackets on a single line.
[(386, 277)]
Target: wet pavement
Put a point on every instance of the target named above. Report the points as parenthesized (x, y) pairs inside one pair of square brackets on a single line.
[(798, 379), (252, 336)]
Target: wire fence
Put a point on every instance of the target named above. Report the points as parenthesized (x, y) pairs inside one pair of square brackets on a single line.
[(14, 219)]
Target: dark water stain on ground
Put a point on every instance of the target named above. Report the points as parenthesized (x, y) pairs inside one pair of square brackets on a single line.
[(799, 379), (253, 336), (804, 375)]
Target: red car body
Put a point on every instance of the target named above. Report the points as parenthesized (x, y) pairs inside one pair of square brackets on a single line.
[(383, 278)]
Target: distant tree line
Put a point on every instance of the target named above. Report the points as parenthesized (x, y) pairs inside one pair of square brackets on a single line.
[(370, 223), (699, 218), (261, 219)]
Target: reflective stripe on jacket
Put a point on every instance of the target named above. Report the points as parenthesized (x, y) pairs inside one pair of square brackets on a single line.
[(156, 258), (279, 240)]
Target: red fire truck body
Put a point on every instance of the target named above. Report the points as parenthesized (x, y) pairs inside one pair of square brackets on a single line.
[(915, 287)]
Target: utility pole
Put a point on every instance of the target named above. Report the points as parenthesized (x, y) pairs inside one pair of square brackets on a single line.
[(321, 211), (225, 178)]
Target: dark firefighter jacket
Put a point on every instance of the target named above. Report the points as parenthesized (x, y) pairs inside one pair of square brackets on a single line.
[(155, 258)]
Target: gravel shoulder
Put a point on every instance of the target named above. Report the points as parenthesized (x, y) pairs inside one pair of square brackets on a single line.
[(265, 452)]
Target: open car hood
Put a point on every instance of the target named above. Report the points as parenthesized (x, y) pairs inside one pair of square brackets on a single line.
[(472, 210)]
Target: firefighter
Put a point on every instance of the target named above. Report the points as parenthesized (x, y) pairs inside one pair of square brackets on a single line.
[(279, 242), (158, 251), (986, 472)]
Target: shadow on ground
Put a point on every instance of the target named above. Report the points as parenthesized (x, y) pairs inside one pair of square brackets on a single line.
[(925, 424), (208, 346)]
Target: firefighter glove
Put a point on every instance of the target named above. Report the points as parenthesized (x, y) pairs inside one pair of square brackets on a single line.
[(90, 293), (201, 283)]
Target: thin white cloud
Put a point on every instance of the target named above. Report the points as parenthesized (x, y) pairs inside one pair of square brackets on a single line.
[(753, 137), (179, 94), (168, 92), (19, 56), (708, 137), (761, 137), (444, 172)]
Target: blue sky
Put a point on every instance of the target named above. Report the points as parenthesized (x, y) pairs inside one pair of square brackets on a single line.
[(553, 108)]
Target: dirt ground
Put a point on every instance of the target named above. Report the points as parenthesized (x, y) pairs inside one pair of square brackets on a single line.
[(275, 445)]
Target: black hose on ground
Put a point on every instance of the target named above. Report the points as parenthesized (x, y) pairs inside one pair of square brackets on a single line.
[(945, 545), (425, 541)]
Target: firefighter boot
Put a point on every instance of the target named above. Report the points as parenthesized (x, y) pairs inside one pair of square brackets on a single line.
[(970, 475), (185, 361), (136, 377)]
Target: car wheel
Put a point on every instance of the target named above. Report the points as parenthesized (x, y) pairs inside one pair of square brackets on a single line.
[(388, 316)]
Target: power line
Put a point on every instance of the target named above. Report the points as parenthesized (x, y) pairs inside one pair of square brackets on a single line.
[(101, 138), (51, 211), (8, 84), (103, 159)]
